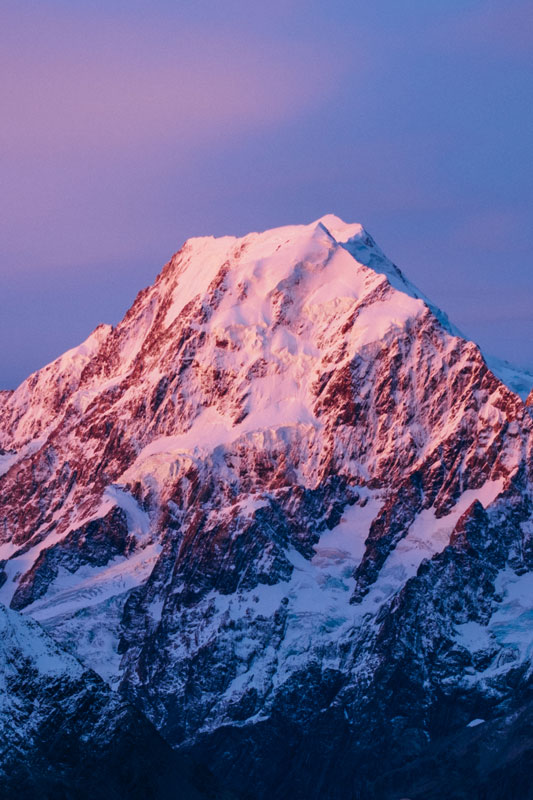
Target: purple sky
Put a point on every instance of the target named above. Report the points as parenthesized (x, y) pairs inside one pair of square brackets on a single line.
[(126, 127)]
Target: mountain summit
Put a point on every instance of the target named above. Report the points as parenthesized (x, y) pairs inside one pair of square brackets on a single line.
[(284, 510)]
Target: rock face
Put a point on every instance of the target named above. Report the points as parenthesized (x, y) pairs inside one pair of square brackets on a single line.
[(284, 509), (64, 733)]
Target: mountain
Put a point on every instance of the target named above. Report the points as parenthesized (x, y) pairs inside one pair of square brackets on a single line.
[(284, 511)]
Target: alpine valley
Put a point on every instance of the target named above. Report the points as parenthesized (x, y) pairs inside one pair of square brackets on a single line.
[(271, 536)]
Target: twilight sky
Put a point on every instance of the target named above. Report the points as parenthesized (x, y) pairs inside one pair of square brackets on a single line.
[(128, 125)]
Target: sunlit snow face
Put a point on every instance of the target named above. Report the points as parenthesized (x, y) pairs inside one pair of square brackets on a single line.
[(126, 130)]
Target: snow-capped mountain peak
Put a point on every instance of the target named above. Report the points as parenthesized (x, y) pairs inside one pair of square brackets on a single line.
[(279, 485)]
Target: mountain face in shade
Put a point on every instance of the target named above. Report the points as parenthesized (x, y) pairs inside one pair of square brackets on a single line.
[(65, 734), (284, 511)]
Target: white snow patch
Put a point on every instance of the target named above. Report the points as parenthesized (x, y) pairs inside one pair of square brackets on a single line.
[(249, 505), (374, 321), (346, 542), (474, 636), (211, 430), (89, 586), (512, 622), (7, 460), (138, 520), (427, 536)]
